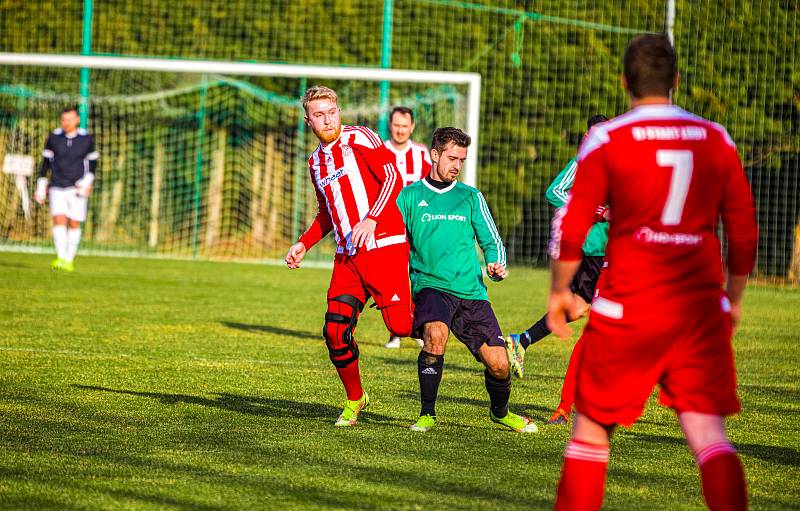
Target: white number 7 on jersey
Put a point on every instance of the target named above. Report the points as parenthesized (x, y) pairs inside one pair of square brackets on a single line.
[(682, 163)]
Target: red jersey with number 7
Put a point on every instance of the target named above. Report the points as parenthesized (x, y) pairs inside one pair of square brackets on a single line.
[(669, 177)]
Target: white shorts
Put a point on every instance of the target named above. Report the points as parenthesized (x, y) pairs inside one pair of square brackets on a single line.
[(66, 202)]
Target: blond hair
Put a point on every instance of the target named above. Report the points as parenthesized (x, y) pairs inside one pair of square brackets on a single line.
[(318, 92)]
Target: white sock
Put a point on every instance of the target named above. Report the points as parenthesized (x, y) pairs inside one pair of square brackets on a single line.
[(60, 240), (73, 240)]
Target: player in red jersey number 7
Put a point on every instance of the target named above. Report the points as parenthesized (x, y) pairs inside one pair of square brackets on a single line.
[(664, 315), (356, 184)]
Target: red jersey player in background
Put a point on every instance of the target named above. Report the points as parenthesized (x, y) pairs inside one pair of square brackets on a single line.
[(356, 185), (663, 316), (412, 161)]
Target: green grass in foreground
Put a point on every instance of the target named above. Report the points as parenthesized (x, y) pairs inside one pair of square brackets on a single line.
[(140, 384)]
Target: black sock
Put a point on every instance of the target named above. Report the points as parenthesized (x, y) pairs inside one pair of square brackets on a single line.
[(429, 370), (536, 333), (499, 392)]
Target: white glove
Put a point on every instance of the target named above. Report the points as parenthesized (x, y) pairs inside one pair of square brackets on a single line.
[(41, 190), (84, 185)]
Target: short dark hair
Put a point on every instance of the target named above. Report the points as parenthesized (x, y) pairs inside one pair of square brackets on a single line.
[(650, 65), (402, 110), (70, 108), (444, 136), (595, 119)]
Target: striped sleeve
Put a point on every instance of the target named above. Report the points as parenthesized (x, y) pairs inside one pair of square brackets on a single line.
[(486, 232), (572, 221), (558, 192), (365, 137), (381, 163)]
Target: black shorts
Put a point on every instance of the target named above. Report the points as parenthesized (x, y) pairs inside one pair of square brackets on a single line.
[(585, 280), (472, 321)]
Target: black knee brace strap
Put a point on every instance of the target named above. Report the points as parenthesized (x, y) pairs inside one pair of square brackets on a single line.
[(348, 339)]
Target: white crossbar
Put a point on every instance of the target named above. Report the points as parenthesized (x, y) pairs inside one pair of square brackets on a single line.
[(472, 80)]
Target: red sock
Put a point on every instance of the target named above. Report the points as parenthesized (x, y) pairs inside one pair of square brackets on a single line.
[(351, 379), (571, 378), (724, 487), (583, 477)]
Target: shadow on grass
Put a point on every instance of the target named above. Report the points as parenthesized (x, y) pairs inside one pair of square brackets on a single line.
[(282, 408), (268, 329), (773, 392), (399, 487), (483, 404), (8, 264), (771, 453)]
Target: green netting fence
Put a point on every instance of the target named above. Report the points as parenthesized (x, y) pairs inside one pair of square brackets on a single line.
[(546, 67)]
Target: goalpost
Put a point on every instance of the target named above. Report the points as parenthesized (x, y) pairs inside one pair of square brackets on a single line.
[(209, 162)]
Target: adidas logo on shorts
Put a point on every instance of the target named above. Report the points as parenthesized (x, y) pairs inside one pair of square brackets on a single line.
[(422, 203), (395, 298)]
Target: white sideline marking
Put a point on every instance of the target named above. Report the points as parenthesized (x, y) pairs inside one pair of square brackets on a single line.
[(62, 352), (22, 249)]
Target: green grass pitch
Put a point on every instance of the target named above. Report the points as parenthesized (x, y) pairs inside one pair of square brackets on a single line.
[(146, 384)]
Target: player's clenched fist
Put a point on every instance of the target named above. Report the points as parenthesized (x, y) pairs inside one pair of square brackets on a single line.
[(496, 271), (363, 232), (561, 307), (296, 254), (41, 190)]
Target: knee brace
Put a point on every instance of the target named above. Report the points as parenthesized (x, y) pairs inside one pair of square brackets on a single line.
[(339, 330)]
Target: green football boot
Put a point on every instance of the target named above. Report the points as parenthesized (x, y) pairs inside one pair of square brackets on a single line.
[(516, 355), (424, 423), (57, 264), (349, 415), (518, 423), (67, 266)]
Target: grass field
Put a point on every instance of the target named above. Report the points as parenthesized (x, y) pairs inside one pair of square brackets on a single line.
[(143, 384)]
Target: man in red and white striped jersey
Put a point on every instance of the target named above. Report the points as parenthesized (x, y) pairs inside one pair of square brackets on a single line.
[(356, 184), (665, 315), (411, 159)]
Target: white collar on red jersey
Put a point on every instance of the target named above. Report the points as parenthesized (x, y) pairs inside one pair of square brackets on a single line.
[(397, 151)]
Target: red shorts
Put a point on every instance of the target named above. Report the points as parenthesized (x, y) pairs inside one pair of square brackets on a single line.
[(691, 358), (381, 273)]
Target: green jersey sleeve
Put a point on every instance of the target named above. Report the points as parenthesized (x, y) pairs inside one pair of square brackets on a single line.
[(558, 191), (486, 232)]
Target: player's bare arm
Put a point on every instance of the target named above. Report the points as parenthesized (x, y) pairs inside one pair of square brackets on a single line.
[(561, 305)]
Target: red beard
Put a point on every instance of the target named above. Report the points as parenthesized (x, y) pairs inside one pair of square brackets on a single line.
[(329, 136)]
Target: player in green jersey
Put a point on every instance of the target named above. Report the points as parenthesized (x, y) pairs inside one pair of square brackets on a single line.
[(583, 286), (594, 251), (443, 220)]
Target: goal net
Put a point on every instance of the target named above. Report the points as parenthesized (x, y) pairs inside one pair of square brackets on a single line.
[(546, 67), (211, 164)]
